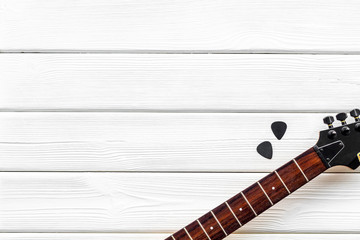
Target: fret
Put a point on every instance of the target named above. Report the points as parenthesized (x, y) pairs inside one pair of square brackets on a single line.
[(246, 205), (291, 176), (188, 234), (272, 204), (217, 220), (282, 182), (274, 188), (195, 231), (310, 167), (211, 226), (203, 230), (232, 212), (241, 208), (247, 201), (227, 219), (301, 170), (256, 198), (181, 235)]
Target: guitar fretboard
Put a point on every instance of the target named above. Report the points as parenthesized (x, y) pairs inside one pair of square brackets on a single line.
[(246, 205)]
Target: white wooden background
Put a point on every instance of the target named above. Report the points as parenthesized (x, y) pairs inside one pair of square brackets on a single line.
[(127, 119)]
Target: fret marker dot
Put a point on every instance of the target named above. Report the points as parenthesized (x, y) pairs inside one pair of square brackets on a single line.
[(240, 209), (211, 228), (273, 188)]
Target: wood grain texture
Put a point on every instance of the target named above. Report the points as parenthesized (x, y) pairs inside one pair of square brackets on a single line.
[(179, 82), (147, 202), (231, 25), (101, 126), (151, 141), (135, 236)]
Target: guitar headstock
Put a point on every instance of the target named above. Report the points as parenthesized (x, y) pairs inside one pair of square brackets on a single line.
[(340, 146)]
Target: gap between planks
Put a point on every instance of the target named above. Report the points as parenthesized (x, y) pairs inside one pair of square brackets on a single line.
[(157, 236), (88, 51), (220, 111)]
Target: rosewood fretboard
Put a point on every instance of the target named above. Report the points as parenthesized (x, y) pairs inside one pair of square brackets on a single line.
[(246, 205)]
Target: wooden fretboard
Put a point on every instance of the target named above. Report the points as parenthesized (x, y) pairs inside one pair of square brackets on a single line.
[(246, 205)]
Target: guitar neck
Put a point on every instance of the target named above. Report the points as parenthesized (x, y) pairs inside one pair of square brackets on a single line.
[(246, 205)]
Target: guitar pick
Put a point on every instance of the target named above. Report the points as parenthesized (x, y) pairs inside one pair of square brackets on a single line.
[(265, 149), (279, 129)]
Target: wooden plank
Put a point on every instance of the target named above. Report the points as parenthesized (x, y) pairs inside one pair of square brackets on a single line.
[(151, 141), (248, 25), (135, 236), (146, 82), (165, 202)]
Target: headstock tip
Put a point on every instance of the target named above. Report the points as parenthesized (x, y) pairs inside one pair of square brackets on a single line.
[(355, 163), (341, 145)]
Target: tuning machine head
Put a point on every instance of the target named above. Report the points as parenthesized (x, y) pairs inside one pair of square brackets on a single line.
[(342, 117), (355, 113), (328, 120)]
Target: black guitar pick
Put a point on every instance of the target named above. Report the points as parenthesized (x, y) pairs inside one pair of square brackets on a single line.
[(279, 129), (265, 149)]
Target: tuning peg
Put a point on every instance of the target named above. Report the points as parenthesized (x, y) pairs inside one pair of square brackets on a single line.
[(355, 113), (329, 120), (342, 117)]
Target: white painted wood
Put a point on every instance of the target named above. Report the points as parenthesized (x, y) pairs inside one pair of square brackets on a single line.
[(151, 141), (179, 82), (165, 202), (89, 236), (108, 205), (231, 25), (114, 236)]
